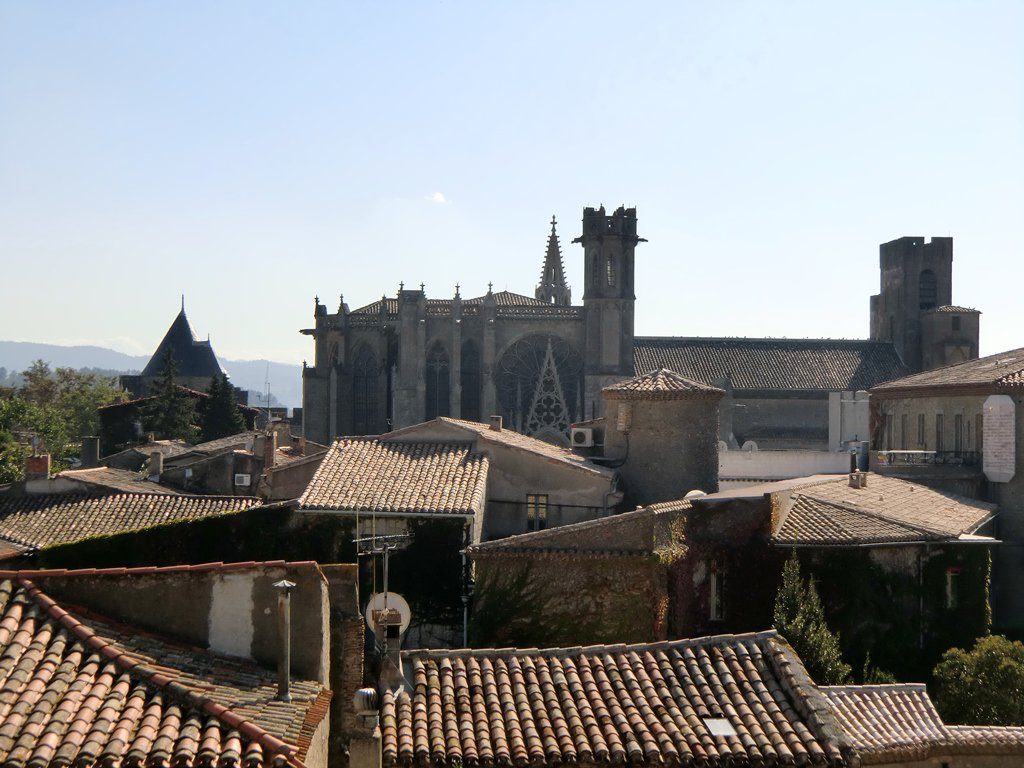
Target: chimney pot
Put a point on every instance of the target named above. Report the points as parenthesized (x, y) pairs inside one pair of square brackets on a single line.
[(284, 630), (156, 466), (270, 449), (90, 452), (496, 423)]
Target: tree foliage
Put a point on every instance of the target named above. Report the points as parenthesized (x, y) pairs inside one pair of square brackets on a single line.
[(220, 414), (170, 414), (983, 686), (52, 409), (800, 618)]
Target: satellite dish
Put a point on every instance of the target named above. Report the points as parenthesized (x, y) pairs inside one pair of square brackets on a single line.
[(396, 611)]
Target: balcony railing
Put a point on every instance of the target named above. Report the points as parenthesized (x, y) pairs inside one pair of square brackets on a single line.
[(928, 458)]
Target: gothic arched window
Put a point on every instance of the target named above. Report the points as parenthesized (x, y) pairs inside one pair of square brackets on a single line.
[(469, 379), (438, 383), (610, 270), (540, 387), (364, 392), (928, 290)]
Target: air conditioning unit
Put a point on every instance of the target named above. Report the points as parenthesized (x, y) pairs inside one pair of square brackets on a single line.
[(582, 437), (243, 480)]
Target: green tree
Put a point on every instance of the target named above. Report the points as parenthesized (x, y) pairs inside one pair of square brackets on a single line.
[(800, 618), (170, 413), (983, 686), (220, 414)]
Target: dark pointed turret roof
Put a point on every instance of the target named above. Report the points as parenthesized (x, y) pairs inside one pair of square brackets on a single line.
[(192, 357), (552, 287)]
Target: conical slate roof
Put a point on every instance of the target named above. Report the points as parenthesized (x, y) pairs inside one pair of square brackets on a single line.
[(192, 357)]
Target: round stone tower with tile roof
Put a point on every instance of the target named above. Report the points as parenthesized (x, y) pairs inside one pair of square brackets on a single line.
[(663, 428)]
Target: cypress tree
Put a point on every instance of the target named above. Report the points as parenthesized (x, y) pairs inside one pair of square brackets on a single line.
[(170, 413), (221, 416), (800, 618)]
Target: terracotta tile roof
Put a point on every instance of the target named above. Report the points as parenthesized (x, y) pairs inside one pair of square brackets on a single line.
[(44, 520), (242, 440), (639, 704), (1004, 371), (390, 307), (822, 364), (899, 723), (813, 522), (662, 384), (116, 480), (957, 310), (412, 478), (888, 509), (509, 437), (81, 690)]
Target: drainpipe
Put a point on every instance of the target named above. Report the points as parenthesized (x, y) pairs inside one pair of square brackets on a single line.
[(284, 633)]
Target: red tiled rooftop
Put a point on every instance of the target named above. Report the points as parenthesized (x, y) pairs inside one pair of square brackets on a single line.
[(661, 384), (83, 691), (638, 705)]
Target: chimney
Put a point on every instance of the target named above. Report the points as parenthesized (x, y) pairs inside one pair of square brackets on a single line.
[(270, 449), (284, 633), (858, 480), (300, 444), (90, 452), (156, 466), (37, 467), (496, 423)]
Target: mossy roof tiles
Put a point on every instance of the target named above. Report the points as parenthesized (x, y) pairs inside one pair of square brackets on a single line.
[(37, 521)]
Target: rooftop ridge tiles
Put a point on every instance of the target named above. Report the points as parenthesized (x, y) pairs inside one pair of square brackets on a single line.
[(688, 642), (150, 569), (155, 677)]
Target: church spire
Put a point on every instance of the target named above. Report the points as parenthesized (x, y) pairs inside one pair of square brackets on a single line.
[(552, 288)]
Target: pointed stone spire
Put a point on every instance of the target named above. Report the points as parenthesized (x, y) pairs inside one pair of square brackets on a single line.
[(552, 288)]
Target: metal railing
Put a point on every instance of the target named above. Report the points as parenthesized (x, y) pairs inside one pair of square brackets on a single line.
[(929, 458)]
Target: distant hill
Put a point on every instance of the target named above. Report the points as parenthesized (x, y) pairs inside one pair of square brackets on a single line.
[(285, 380)]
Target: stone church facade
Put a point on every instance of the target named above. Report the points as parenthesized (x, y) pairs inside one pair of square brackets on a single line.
[(541, 362), (538, 361)]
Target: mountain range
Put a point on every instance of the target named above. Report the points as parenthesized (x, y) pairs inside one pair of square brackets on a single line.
[(285, 379)]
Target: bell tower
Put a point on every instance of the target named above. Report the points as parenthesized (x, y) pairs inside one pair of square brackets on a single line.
[(609, 244)]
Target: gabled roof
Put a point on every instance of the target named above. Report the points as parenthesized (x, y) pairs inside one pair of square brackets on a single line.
[(368, 475), (662, 384), (886, 510), (37, 521), (899, 724), (112, 479), (817, 364), (644, 704), (242, 440), (951, 309), (1000, 372), (475, 430), (84, 690), (192, 357)]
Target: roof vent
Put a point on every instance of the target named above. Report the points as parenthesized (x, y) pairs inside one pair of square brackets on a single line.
[(496, 423), (719, 726)]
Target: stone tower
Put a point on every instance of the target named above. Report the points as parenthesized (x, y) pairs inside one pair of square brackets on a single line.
[(552, 288), (914, 308), (609, 245), (663, 428)]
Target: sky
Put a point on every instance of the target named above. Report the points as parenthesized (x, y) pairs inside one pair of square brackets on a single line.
[(251, 155)]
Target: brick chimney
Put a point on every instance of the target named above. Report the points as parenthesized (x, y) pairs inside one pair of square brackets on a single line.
[(37, 467), (270, 449)]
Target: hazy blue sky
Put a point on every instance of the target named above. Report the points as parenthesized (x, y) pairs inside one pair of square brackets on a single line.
[(253, 154)]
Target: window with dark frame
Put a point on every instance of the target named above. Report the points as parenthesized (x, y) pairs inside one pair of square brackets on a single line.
[(958, 433), (716, 592), (939, 429), (364, 392), (536, 511), (920, 431), (952, 596)]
